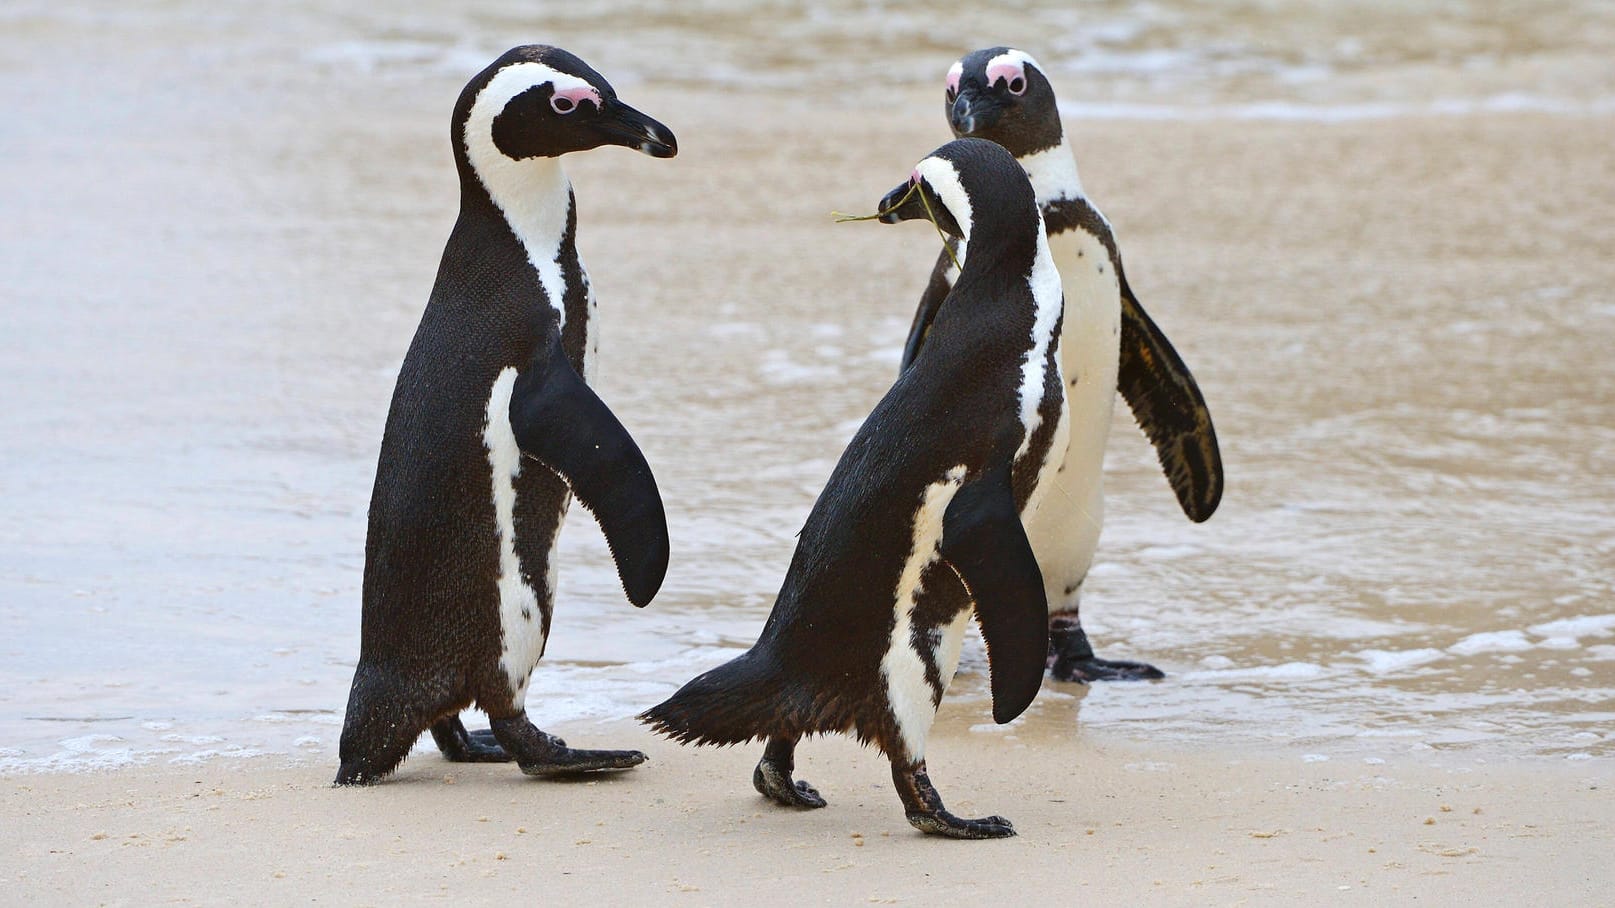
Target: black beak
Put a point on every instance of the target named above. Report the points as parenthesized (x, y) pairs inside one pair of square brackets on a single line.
[(625, 126), (910, 203), (973, 113), (890, 212)]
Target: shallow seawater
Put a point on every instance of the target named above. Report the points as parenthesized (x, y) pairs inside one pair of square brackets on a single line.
[(213, 262)]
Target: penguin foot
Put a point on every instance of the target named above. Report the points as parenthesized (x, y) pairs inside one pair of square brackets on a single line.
[(774, 782), (461, 746), (947, 825), (1071, 657), (923, 807), (772, 777), (571, 761), (1095, 669), (542, 754)]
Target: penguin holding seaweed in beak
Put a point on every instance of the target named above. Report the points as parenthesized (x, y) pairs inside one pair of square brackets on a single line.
[(931, 491)]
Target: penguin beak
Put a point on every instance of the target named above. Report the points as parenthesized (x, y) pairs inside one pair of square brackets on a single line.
[(916, 208), (973, 113), (911, 208), (625, 126)]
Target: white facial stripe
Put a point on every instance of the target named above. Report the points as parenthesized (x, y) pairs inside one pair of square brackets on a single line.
[(944, 180), (1010, 61), (903, 667), (521, 624), (533, 194), (955, 72), (1053, 172), (1048, 297)]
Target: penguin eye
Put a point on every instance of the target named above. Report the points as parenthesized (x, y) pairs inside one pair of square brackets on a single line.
[(952, 93), (563, 105), (1017, 86)]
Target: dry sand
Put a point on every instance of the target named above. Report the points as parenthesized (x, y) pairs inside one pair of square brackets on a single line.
[(1439, 202), (1097, 822)]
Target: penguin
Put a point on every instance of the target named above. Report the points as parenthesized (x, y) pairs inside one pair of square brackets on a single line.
[(938, 476), (1001, 94), (492, 429)]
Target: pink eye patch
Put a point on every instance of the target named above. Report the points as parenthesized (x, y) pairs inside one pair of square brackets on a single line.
[(954, 72), (566, 100), (1008, 71)]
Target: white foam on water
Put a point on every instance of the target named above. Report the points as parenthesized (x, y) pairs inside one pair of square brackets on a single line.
[(1510, 641), (1381, 661), (1576, 628), (204, 756), (193, 739), (1288, 671), (81, 754)]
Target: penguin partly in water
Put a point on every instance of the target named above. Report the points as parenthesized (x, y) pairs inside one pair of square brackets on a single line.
[(1002, 94), (491, 431), (938, 475)]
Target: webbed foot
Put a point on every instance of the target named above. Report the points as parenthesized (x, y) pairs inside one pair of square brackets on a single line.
[(772, 777), (541, 754), (1095, 669), (461, 746), (1071, 658), (925, 812), (946, 824)]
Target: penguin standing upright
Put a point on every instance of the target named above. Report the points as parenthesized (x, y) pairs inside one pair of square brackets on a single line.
[(939, 474), (459, 577), (1001, 94)]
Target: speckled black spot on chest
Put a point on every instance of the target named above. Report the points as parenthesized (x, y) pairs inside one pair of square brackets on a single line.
[(1061, 215)]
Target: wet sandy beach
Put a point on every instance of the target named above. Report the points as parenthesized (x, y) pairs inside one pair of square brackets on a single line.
[(1391, 280)]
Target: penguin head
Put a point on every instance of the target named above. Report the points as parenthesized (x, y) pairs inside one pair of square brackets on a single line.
[(922, 198), (1001, 94), (963, 182), (542, 102)]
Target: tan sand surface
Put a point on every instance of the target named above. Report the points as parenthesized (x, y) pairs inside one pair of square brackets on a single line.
[(1098, 821)]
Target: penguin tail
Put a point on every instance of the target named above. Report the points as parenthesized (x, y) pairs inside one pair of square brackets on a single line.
[(739, 701)]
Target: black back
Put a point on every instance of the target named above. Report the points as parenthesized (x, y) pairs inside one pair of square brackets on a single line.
[(816, 665)]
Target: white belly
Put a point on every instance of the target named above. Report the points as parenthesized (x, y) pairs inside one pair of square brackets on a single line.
[(1064, 525), (521, 615), (908, 693)]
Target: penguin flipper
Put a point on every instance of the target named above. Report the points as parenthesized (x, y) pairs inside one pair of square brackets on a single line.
[(985, 543), (1168, 406), (560, 421), (936, 291)]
